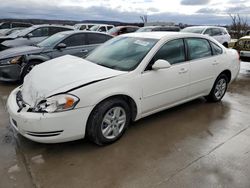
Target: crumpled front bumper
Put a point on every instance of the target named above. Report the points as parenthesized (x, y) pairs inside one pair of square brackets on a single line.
[(47, 127)]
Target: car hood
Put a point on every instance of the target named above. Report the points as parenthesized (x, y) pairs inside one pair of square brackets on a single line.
[(60, 75), (17, 51)]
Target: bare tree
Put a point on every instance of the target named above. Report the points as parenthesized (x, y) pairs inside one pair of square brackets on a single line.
[(144, 18), (239, 25)]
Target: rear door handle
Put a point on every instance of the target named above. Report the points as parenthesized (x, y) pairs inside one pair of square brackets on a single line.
[(183, 70)]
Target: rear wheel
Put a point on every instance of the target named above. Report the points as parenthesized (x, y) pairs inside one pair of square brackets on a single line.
[(108, 121), (219, 89)]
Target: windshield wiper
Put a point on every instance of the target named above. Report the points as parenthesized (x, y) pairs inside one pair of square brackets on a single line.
[(108, 66)]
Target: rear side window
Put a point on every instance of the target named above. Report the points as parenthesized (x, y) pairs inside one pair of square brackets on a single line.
[(216, 32), (216, 49), (173, 52), (94, 38), (131, 29), (40, 32), (198, 48), (54, 30), (75, 40)]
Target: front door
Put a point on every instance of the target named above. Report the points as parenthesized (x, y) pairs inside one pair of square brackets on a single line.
[(168, 86)]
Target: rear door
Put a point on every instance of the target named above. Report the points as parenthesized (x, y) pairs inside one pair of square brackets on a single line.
[(202, 66), (94, 40)]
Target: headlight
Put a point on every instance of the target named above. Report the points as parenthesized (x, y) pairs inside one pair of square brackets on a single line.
[(16, 60), (57, 103)]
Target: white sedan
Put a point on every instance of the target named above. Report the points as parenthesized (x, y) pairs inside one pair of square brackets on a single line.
[(125, 79)]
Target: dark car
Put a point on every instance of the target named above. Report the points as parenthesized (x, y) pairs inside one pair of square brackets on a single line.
[(31, 35), (122, 30), (15, 63), (158, 28), (10, 25)]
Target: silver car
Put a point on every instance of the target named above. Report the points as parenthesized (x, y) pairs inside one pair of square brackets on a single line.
[(31, 35), (15, 63)]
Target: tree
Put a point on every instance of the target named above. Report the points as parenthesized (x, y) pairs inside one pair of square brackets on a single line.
[(144, 18), (239, 25)]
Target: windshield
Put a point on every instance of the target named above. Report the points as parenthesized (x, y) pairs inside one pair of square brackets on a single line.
[(122, 53), (52, 41), (145, 29), (113, 30), (193, 30), (94, 28)]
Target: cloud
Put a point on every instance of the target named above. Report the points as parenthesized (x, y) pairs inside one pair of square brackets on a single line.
[(38, 10), (195, 2)]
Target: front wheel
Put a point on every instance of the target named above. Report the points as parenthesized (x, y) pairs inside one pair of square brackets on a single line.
[(219, 89), (108, 121)]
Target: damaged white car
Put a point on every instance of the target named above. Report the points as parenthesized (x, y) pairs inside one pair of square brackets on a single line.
[(125, 79)]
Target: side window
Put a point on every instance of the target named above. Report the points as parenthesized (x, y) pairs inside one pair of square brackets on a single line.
[(102, 29), (96, 38), (216, 49), (216, 32), (172, 51), (75, 40), (131, 29), (5, 26), (208, 32), (198, 48), (110, 27), (40, 32), (83, 27), (54, 30)]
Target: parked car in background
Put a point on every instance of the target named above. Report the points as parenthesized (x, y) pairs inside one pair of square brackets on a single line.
[(101, 28), (10, 25), (31, 35), (218, 33), (243, 47), (158, 28), (6, 32), (84, 26), (119, 30), (125, 79), (16, 62)]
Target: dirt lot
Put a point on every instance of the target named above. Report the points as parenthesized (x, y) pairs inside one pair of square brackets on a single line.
[(197, 144)]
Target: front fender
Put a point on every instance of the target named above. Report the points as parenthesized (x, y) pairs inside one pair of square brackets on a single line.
[(40, 58)]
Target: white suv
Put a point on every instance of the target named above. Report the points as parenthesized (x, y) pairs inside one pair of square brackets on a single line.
[(101, 28), (218, 33)]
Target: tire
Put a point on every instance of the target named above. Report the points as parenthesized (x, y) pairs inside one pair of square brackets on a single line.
[(103, 125), (219, 89), (27, 68)]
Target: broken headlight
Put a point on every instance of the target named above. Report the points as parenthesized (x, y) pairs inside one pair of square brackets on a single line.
[(57, 103), (16, 60)]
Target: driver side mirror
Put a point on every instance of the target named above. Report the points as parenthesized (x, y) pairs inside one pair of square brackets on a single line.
[(161, 64), (29, 35), (61, 46)]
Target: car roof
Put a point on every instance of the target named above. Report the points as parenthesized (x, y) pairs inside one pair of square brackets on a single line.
[(161, 35), (206, 26), (53, 25), (124, 26), (83, 31)]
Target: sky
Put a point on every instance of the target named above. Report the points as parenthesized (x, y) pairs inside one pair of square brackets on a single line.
[(178, 11)]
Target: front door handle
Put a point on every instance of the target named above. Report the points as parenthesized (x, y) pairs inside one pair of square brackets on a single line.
[(84, 51), (215, 63), (183, 70)]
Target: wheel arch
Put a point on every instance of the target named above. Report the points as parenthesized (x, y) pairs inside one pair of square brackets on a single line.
[(131, 102), (227, 73)]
